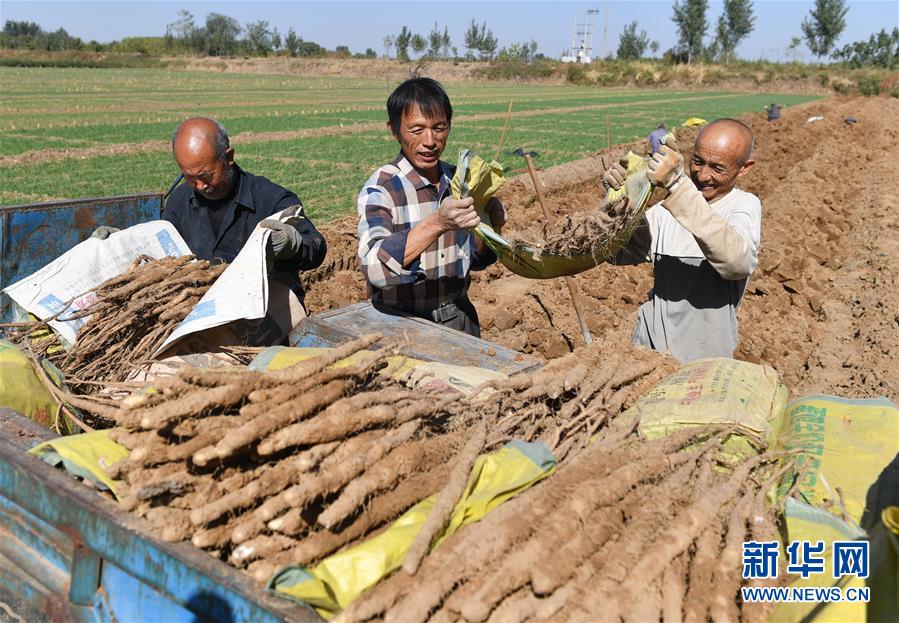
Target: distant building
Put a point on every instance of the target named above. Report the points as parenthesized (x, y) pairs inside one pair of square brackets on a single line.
[(581, 50)]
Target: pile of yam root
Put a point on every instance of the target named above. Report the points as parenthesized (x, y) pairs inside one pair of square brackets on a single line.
[(129, 318), (629, 529), (264, 469), (585, 232)]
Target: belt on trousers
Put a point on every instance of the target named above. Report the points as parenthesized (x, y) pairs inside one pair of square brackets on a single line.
[(445, 313)]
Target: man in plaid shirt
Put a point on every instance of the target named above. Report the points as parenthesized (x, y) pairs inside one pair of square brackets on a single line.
[(416, 243)]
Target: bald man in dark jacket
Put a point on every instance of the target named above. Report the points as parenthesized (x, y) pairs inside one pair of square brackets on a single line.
[(220, 204)]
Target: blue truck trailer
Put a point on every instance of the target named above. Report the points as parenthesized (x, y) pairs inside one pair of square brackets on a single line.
[(68, 553)]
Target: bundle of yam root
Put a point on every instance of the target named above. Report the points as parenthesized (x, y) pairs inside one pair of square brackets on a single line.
[(629, 529), (571, 398), (264, 469), (283, 466), (584, 232), (129, 319)]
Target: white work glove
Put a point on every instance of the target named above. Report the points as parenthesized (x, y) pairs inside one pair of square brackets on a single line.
[(729, 250), (103, 232), (613, 179), (666, 166), (285, 241)]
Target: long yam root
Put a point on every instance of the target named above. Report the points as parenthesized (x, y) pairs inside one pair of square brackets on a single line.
[(446, 500)]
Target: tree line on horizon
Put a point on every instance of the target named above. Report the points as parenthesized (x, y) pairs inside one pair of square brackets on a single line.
[(479, 42), (820, 29), (221, 35)]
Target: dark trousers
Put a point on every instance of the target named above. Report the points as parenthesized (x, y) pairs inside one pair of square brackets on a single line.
[(461, 316)]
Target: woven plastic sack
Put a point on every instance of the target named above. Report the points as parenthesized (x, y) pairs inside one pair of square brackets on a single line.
[(533, 263), (87, 456), (426, 375), (840, 447), (716, 390), (839, 443), (22, 391)]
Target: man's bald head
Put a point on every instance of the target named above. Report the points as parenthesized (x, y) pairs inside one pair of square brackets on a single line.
[(722, 153), (201, 132), (736, 135), (204, 155)]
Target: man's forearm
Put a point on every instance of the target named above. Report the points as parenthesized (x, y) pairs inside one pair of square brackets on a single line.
[(421, 236), (724, 247)]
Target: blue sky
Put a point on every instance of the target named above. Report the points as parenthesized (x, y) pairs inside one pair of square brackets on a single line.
[(362, 24)]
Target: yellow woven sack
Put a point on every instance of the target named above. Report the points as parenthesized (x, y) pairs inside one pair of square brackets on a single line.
[(534, 263), (413, 372), (278, 357), (22, 391), (717, 390), (477, 179), (87, 456), (840, 443)]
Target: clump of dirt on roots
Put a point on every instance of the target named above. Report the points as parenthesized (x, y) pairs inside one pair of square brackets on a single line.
[(587, 232)]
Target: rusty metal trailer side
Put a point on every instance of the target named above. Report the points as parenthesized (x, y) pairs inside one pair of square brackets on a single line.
[(33, 235), (68, 553)]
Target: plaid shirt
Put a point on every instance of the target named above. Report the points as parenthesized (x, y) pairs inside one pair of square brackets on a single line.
[(395, 199)]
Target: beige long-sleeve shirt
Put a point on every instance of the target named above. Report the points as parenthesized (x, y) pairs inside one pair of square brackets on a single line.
[(702, 256)]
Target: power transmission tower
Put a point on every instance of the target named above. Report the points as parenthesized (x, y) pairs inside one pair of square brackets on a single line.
[(604, 49), (581, 50)]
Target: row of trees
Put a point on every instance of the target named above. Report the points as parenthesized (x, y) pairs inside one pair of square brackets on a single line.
[(734, 24), (222, 35), (30, 36), (880, 50), (820, 30), (438, 44), (219, 35), (479, 42)]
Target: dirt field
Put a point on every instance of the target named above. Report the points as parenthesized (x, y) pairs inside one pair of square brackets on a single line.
[(822, 307)]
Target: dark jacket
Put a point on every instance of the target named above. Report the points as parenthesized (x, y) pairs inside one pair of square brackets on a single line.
[(255, 199)]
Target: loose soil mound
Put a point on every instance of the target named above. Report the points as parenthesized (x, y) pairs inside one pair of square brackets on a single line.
[(821, 307)]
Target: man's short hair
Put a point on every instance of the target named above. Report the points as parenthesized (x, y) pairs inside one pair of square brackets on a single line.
[(661, 127), (220, 140), (426, 93)]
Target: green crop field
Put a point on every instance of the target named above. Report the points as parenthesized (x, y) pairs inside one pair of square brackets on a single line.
[(69, 133)]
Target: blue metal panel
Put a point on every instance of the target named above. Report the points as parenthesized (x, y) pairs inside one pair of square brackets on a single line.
[(60, 540), (32, 236), (85, 575), (415, 337), (128, 599)]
